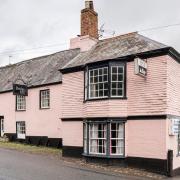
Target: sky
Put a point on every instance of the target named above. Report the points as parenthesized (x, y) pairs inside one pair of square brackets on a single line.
[(32, 28)]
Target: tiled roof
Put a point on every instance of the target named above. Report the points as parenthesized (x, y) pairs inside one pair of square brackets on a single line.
[(116, 47), (36, 72)]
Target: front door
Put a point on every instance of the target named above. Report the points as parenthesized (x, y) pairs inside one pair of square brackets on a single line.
[(2, 127)]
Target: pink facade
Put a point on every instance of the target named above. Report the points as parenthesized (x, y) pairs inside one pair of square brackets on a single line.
[(147, 139), (131, 125), (157, 94), (144, 95), (85, 43), (39, 122)]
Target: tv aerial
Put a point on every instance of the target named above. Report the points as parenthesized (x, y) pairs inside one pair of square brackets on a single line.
[(105, 32)]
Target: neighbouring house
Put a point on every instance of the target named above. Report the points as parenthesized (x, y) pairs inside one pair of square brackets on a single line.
[(35, 118), (112, 101)]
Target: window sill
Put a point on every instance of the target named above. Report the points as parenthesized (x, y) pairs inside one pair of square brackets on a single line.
[(103, 99), (104, 156), (44, 108), (20, 110)]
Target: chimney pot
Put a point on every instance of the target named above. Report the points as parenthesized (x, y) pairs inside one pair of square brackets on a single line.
[(89, 5)]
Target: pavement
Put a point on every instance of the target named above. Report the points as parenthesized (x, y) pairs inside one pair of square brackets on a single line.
[(15, 165)]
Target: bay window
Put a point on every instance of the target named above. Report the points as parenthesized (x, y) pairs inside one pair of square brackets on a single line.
[(107, 81), (104, 138)]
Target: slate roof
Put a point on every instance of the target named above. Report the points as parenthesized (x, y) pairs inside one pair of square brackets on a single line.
[(116, 47), (36, 72)]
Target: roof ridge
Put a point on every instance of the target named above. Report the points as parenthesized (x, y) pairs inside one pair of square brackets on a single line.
[(118, 36), (152, 40), (36, 58)]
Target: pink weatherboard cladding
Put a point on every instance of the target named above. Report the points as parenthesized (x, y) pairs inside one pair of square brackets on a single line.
[(145, 96), (38, 122), (173, 104)]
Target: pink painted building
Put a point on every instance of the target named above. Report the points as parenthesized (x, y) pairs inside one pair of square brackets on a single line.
[(112, 101)]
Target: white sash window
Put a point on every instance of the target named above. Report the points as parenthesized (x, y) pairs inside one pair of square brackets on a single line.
[(45, 99), (97, 138), (21, 130), (20, 103)]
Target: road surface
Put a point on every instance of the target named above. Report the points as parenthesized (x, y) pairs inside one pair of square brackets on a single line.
[(16, 165)]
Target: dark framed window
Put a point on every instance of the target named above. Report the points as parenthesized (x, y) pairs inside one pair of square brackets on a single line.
[(104, 138), (105, 81), (45, 99), (20, 103)]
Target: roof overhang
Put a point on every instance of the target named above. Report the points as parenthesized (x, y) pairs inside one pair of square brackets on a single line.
[(149, 54)]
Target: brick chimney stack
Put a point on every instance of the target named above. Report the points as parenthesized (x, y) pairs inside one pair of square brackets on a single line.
[(89, 29), (89, 20)]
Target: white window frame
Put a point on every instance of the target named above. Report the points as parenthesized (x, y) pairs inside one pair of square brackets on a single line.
[(45, 99), (20, 103), (118, 82), (98, 82), (85, 139), (2, 127), (107, 139), (92, 138), (117, 139), (21, 129)]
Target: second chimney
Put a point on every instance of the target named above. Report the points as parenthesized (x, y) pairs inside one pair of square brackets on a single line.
[(89, 21)]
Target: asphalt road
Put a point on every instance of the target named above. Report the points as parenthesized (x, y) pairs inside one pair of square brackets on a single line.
[(16, 165)]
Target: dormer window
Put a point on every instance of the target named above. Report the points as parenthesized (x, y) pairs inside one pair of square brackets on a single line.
[(107, 81)]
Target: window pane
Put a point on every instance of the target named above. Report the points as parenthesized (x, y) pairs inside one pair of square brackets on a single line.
[(105, 78), (120, 69), (114, 77), (120, 77), (113, 92), (114, 70)]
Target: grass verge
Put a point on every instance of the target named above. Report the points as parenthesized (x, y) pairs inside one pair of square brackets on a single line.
[(31, 148)]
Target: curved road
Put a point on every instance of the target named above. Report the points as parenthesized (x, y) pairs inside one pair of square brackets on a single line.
[(16, 165)]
